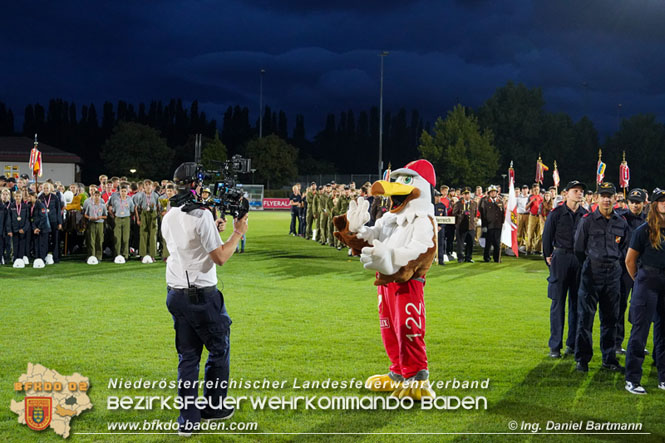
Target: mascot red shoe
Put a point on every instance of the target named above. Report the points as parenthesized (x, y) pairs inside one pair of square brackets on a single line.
[(400, 247)]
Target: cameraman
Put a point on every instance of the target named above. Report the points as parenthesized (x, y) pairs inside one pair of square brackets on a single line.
[(197, 306)]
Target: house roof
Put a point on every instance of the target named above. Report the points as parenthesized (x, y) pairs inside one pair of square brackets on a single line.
[(17, 149)]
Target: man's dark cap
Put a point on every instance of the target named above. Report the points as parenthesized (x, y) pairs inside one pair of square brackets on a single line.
[(607, 188), (466, 189), (313, 183), (589, 192), (525, 186), (574, 184), (657, 194), (11, 180), (437, 193), (637, 195)]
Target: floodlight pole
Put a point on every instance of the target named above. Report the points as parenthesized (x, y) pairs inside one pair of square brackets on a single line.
[(382, 55), (261, 103)]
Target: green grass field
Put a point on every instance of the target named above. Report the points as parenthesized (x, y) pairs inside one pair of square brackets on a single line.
[(301, 310)]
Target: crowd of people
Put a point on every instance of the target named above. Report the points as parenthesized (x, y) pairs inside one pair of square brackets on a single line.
[(117, 218)]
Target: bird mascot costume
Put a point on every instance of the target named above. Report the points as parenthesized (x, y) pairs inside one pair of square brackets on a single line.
[(400, 247)]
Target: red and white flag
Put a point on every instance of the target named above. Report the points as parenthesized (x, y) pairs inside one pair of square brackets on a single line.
[(624, 174), (555, 176), (509, 228)]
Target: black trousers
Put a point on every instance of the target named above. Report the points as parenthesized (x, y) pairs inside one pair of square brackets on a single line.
[(441, 238), (563, 282), (465, 241), (599, 289), (54, 243), (450, 238), (648, 299), (626, 284), (40, 242), (295, 215), (492, 240)]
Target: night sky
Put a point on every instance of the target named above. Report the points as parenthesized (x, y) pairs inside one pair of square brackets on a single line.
[(320, 57)]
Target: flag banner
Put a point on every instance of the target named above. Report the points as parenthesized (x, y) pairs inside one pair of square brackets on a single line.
[(509, 228), (555, 176), (600, 172), (35, 163), (541, 168), (386, 174)]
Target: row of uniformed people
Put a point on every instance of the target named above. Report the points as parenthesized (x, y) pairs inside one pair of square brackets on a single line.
[(146, 207), (321, 206), (588, 262)]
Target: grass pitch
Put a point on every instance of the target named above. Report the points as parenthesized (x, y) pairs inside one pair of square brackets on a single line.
[(307, 312)]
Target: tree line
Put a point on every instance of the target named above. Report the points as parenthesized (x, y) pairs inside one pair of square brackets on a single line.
[(468, 146)]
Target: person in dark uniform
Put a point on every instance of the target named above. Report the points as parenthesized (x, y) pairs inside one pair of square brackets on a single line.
[(19, 226), (5, 226), (294, 201), (40, 226), (635, 217), (491, 216), (465, 226), (600, 243), (648, 245), (53, 204), (440, 210), (564, 267)]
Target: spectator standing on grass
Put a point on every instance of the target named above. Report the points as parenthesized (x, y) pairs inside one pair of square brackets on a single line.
[(564, 267), (522, 216), (645, 262), (492, 217), (294, 201), (600, 244), (465, 226), (96, 212), (635, 218), (533, 234)]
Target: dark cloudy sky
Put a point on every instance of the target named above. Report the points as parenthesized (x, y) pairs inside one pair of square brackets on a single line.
[(323, 56)]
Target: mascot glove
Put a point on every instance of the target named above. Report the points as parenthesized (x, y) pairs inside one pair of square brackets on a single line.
[(378, 258), (358, 214)]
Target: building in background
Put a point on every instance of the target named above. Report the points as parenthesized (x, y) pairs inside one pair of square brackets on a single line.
[(57, 164)]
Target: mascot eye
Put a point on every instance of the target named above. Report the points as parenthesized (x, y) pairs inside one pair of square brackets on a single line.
[(408, 180)]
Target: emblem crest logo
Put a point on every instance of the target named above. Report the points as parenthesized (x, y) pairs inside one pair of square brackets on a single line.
[(38, 412)]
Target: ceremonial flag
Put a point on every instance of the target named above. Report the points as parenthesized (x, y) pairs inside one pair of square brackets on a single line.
[(509, 228), (555, 176), (624, 172), (540, 170), (35, 163), (600, 169), (386, 174)]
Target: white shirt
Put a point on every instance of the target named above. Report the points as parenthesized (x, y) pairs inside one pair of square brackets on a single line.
[(521, 204), (190, 238)]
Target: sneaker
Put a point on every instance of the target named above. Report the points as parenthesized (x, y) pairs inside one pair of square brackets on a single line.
[(615, 367), (619, 350), (661, 385), (635, 388), (582, 366), (569, 351), (555, 353), (224, 415), (646, 352)]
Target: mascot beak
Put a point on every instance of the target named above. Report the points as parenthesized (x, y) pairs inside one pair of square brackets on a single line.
[(399, 193)]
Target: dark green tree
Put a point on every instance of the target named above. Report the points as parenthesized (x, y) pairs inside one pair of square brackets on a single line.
[(213, 153), (462, 155), (136, 146), (274, 160)]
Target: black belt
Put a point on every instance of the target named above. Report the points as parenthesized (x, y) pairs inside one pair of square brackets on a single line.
[(564, 250), (603, 264), (652, 268), (196, 295)]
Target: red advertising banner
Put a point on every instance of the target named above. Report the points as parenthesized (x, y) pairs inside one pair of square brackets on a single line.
[(276, 203)]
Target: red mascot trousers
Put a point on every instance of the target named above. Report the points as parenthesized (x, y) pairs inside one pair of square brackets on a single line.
[(402, 321)]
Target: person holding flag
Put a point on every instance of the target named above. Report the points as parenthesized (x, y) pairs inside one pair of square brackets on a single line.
[(564, 267), (624, 174), (35, 162)]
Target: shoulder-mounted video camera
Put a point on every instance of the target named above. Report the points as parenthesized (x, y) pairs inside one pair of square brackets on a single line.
[(225, 194)]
